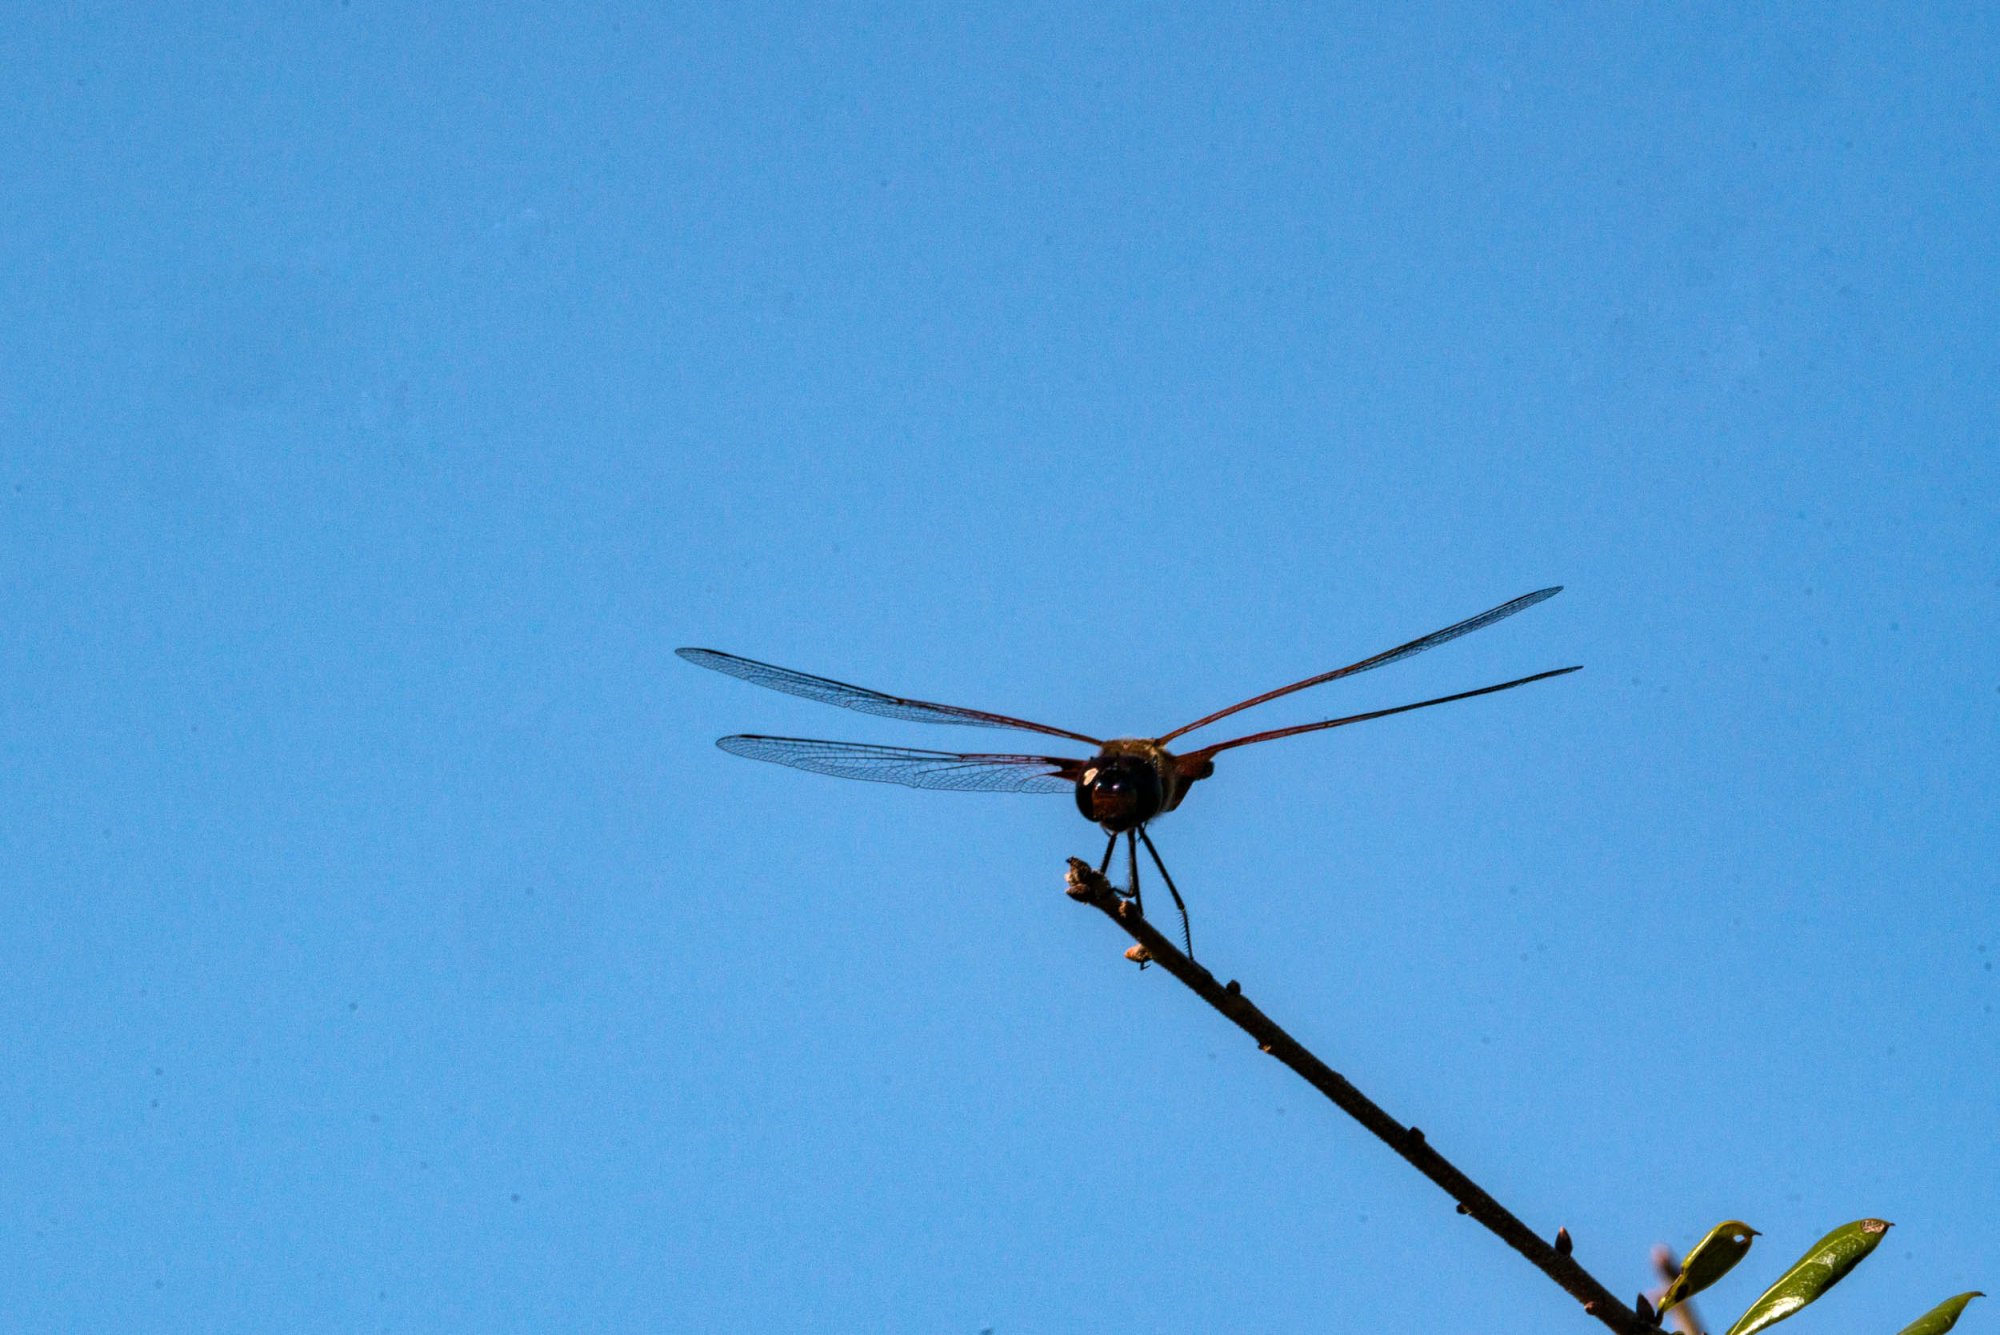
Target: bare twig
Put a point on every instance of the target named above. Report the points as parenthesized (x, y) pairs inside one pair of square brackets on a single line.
[(1088, 886)]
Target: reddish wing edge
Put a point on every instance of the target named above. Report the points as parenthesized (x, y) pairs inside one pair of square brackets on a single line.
[(1387, 656), (1196, 759), (860, 698)]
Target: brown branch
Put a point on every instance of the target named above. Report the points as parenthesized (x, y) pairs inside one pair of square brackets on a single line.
[(1088, 886)]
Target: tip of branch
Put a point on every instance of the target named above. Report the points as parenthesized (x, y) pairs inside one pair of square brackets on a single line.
[(1564, 1243), (1233, 988), (1084, 882)]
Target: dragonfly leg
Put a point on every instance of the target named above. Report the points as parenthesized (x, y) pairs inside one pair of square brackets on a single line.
[(1139, 903), (1187, 934), (1109, 849), (1132, 861)]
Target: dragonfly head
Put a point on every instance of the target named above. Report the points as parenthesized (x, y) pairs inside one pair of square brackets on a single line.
[(1121, 790)]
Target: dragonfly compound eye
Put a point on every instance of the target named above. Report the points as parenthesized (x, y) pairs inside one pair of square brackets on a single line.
[(1120, 793)]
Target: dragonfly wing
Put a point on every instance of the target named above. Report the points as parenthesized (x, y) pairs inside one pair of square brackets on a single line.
[(1383, 659), (956, 771), (828, 691), (1450, 633), (1194, 759)]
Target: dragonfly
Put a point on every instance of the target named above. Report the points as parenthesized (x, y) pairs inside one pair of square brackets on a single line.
[(1123, 787)]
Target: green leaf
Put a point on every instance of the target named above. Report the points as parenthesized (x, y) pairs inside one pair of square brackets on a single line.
[(1940, 1318), (1813, 1274), (1711, 1259)]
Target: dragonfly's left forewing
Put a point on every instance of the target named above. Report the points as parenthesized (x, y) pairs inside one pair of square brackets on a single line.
[(859, 698)]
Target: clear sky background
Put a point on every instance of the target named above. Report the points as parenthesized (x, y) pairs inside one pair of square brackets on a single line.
[(385, 394)]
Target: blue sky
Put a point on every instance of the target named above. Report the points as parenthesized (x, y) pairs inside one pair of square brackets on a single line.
[(387, 393)]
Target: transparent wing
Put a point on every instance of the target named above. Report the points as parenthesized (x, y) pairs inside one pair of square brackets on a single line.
[(828, 691), (912, 768), (1383, 659), (1193, 759)]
